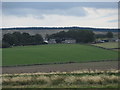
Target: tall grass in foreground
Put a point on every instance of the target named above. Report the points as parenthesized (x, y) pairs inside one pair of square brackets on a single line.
[(62, 80)]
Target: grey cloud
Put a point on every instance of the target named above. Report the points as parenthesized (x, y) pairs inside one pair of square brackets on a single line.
[(59, 8), (75, 11), (59, 5), (112, 21)]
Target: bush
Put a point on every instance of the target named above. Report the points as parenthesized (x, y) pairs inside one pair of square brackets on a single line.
[(5, 45)]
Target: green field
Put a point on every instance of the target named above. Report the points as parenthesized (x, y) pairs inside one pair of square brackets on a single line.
[(55, 53), (108, 45)]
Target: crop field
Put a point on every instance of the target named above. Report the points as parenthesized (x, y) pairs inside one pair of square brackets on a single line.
[(56, 53)]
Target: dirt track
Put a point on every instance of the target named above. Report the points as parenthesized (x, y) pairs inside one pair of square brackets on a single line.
[(103, 65)]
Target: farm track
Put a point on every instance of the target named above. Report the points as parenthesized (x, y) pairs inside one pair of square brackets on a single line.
[(101, 65)]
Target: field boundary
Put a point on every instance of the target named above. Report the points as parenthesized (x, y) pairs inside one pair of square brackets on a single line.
[(60, 63)]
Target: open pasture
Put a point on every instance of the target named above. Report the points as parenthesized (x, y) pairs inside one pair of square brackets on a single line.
[(56, 53)]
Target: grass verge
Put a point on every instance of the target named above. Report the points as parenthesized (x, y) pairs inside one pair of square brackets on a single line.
[(76, 79)]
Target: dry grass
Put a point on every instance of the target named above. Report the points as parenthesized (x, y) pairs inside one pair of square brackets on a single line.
[(86, 71), (56, 80), (63, 78)]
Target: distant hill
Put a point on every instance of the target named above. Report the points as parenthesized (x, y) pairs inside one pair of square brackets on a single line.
[(62, 28), (51, 30)]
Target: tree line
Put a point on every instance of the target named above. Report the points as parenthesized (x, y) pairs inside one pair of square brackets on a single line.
[(21, 39), (107, 35), (81, 36)]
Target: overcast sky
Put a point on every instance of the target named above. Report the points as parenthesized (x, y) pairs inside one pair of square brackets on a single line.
[(58, 14)]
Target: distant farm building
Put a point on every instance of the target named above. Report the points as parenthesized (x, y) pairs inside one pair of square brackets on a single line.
[(52, 41), (114, 40), (69, 41)]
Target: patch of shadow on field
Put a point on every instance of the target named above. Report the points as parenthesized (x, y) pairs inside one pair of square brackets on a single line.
[(102, 65)]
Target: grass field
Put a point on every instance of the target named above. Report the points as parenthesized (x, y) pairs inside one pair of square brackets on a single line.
[(108, 45), (55, 53)]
